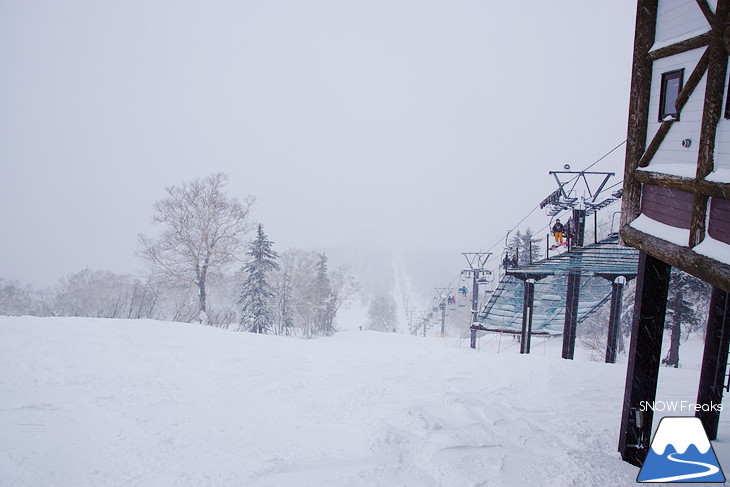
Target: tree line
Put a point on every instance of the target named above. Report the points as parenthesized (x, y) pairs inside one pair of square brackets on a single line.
[(190, 274)]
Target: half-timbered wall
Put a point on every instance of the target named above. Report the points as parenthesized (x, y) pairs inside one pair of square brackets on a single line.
[(722, 149), (672, 157), (676, 202), (677, 18)]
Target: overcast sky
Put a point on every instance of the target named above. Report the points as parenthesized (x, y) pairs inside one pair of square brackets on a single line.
[(401, 123)]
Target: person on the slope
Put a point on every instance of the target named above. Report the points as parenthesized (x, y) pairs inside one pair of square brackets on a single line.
[(569, 233), (558, 230)]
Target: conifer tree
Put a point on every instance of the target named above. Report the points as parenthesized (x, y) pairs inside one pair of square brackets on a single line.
[(257, 295), (526, 246), (284, 307), (531, 246), (686, 294), (324, 316)]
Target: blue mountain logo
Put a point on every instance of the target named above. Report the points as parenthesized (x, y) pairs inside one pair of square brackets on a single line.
[(681, 452)]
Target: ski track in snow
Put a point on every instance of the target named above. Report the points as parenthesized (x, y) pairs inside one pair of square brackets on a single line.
[(92, 402)]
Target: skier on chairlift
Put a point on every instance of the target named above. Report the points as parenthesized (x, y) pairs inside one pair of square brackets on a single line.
[(558, 230), (463, 290), (569, 232)]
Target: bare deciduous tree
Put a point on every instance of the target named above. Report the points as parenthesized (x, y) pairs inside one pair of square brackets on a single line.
[(203, 232)]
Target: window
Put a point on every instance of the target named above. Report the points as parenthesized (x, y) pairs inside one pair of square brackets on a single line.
[(671, 86)]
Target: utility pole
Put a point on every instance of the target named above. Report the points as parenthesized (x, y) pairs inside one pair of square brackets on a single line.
[(477, 272), (425, 320), (443, 293)]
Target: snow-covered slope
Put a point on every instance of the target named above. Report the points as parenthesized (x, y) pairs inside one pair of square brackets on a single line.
[(90, 402)]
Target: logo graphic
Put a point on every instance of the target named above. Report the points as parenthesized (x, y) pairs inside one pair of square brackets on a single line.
[(681, 452)]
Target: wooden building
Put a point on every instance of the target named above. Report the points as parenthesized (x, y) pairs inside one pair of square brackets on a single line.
[(676, 198)]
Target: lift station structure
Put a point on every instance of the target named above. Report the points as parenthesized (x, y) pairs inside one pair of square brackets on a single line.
[(552, 296)]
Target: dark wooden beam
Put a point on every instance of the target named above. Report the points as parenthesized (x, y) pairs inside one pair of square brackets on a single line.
[(642, 371), (709, 270), (706, 11), (666, 180), (646, 14), (698, 222), (714, 189), (711, 113), (714, 360), (655, 143), (680, 47), (692, 81)]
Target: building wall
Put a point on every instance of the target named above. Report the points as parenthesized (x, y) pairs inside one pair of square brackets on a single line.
[(677, 18), (665, 213), (722, 141), (672, 158)]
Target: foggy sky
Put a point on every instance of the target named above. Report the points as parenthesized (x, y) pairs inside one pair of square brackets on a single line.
[(403, 124)]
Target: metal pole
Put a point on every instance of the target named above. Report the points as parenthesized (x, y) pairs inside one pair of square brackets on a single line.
[(475, 296), (614, 321), (527, 306), (443, 318), (571, 315)]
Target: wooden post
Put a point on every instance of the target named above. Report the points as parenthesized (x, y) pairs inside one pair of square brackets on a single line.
[(473, 338), (527, 307), (646, 14), (714, 361), (571, 315), (614, 321), (642, 372), (711, 113)]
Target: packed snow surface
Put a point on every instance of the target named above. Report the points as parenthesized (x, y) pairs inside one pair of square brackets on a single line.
[(93, 402)]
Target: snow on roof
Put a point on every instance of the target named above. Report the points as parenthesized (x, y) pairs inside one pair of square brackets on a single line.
[(683, 37), (714, 249), (677, 236), (719, 175), (681, 169)]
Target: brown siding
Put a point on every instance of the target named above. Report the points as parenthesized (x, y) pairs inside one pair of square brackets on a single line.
[(670, 206), (719, 225)]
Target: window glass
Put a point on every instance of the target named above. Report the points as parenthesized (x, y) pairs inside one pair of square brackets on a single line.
[(671, 87)]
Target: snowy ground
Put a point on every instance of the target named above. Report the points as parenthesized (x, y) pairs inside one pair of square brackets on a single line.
[(90, 402)]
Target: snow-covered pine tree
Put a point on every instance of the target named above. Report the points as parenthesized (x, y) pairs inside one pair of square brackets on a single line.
[(285, 314), (324, 315), (256, 298), (531, 246), (686, 295), (527, 246), (515, 247)]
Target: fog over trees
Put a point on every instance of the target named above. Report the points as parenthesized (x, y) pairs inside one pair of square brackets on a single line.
[(189, 274)]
